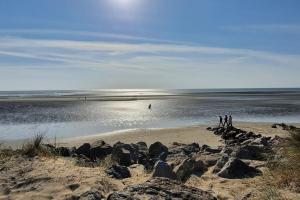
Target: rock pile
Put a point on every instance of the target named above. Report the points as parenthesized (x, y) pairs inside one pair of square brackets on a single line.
[(161, 188), (170, 166)]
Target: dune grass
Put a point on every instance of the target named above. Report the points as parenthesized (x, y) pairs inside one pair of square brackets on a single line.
[(284, 169), (35, 147)]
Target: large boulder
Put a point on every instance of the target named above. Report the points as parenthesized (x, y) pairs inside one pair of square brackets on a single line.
[(118, 172), (251, 152), (84, 150), (209, 159), (125, 154), (63, 151), (188, 167), (235, 168), (179, 151), (143, 153), (162, 169), (100, 151), (161, 188), (156, 149)]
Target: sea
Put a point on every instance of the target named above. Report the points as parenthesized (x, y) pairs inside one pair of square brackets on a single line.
[(71, 113)]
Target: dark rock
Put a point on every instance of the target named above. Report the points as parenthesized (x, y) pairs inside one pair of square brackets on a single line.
[(261, 141), (235, 168), (125, 154), (91, 195), (100, 152), (208, 149), (156, 149), (118, 172), (84, 150), (73, 186), (162, 169), (161, 188), (63, 151), (143, 153), (184, 149)]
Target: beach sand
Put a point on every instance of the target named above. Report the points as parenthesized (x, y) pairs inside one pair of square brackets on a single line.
[(197, 134)]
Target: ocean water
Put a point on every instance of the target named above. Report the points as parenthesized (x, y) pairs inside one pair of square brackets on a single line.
[(78, 113)]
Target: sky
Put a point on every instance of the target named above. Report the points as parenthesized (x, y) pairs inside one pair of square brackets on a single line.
[(131, 44)]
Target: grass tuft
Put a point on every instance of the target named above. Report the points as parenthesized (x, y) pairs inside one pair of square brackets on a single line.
[(35, 147)]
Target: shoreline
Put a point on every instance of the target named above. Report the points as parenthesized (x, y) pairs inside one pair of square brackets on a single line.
[(186, 134)]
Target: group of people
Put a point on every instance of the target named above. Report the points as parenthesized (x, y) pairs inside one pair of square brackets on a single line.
[(227, 121)]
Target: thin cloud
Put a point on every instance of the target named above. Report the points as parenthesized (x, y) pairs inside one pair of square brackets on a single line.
[(271, 28), (137, 56)]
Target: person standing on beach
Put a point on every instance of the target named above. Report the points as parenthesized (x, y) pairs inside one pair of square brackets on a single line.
[(230, 121), (221, 121), (226, 121), (149, 107)]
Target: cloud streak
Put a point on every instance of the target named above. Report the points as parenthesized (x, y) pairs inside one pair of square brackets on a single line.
[(270, 28), (130, 60)]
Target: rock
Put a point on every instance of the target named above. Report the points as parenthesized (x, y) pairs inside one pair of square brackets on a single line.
[(91, 195), (63, 151), (100, 152), (49, 148), (125, 154), (277, 141), (156, 149), (143, 153), (220, 163), (261, 141), (235, 168), (84, 150), (209, 160), (209, 150), (73, 186), (118, 172), (161, 188), (188, 167), (162, 169), (251, 152), (98, 143)]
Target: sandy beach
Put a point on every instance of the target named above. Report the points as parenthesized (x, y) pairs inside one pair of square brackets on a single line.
[(197, 134), (167, 136)]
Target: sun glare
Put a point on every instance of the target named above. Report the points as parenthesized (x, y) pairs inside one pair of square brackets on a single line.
[(124, 3)]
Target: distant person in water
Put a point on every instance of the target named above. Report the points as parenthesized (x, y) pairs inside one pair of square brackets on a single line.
[(230, 121), (149, 107), (226, 120), (220, 121)]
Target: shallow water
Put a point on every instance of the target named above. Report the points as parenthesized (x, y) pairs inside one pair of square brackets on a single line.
[(170, 108)]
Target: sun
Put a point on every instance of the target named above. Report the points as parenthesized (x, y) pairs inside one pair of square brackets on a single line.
[(123, 3)]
